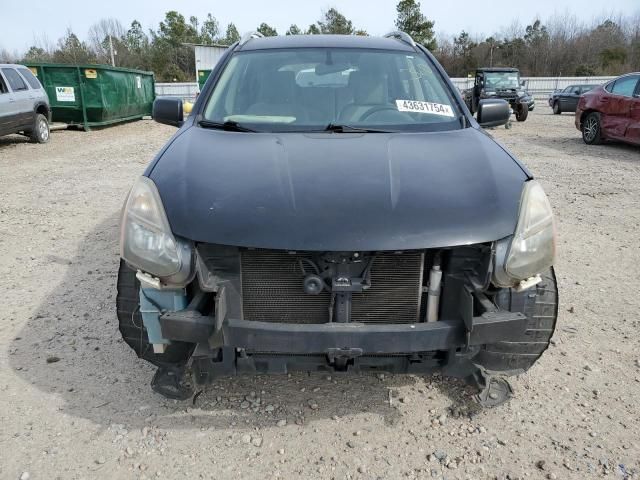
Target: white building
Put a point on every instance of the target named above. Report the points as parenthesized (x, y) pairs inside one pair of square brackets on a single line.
[(207, 57)]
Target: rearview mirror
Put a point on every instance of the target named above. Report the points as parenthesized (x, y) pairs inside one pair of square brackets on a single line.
[(169, 111), (493, 112)]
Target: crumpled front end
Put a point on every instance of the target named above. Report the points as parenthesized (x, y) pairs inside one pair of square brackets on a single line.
[(267, 311)]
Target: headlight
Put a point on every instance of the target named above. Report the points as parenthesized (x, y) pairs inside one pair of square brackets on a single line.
[(146, 240), (533, 245)]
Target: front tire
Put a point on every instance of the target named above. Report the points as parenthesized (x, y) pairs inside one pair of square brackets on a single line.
[(556, 108), (591, 129), (522, 112), (540, 305), (40, 132), (132, 327)]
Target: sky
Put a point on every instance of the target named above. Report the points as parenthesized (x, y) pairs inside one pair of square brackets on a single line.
[(22, 24)]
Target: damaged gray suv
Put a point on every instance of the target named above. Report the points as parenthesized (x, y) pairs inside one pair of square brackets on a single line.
[(331, 205)]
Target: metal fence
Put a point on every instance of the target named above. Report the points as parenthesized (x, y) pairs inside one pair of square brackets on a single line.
[(539, 87), (186, 91), (542, 87)]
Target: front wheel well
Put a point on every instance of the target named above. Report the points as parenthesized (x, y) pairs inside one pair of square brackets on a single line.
[(42, 109)]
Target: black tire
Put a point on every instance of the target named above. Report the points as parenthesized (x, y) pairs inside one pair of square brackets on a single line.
[(40, 132), (540, 305), (556, 108), (591, 129), (132, 328), (522, 112)]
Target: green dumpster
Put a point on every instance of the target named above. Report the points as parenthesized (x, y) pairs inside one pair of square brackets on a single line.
[(95, 95), (203, 76)]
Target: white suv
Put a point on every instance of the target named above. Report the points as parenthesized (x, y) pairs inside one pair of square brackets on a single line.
[(24, 105)]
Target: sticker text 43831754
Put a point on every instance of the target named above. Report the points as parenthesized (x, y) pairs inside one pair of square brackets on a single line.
[(424, 107)]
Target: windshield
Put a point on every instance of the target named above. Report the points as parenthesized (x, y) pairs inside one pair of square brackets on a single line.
[(502, 80), (311, 89)]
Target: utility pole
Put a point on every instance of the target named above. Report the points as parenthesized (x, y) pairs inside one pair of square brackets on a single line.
[(492, 46), (113, 58)]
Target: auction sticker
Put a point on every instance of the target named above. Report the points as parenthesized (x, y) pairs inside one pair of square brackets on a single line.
[(424, 107), (65, 94)]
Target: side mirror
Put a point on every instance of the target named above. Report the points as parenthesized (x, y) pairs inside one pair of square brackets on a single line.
[(169, 111), (493, 112)]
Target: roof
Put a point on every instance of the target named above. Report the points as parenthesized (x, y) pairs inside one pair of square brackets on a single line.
[(497, 69), (332, 41), (13, 65)]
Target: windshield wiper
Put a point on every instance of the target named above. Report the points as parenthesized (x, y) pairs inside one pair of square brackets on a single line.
[(340, 128), (229, 125)]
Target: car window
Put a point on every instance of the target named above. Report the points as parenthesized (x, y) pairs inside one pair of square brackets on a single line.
[(625, 86), (3, 86), (303, 89), (502, 80), (15, 80), (568, 89), (30, 77)]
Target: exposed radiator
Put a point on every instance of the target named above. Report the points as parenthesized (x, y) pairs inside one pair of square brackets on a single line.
[(272, 290)]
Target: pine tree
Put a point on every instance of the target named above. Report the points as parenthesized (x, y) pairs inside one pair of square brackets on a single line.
[(411, 21)]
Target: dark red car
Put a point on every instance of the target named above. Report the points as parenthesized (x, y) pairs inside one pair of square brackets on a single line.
[(611, 111)]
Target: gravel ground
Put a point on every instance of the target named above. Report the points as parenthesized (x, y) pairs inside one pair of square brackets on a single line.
[(75, 402)]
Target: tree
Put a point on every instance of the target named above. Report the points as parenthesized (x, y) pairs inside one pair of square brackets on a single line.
[(106, 36), (137, 48), (176, 31), (72, 50), (210, 30), (135, 38), (584, 71), (411, 21), (336, 23), (169, 53), (462, 49), (267, 30), (37, 54), (195, 24), (536, 39), (613, 57), (7, 57), (492, 45), (232, 35), (513, 51), (294, 30), (313, 30)]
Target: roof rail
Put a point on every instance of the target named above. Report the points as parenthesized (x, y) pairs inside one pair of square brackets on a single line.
[(248, 36), (402, 36)]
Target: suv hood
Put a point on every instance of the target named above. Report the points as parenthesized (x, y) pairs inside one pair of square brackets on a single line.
[(339, 192)]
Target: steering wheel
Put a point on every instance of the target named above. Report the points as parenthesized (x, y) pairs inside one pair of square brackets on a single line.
[(377, 109)]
